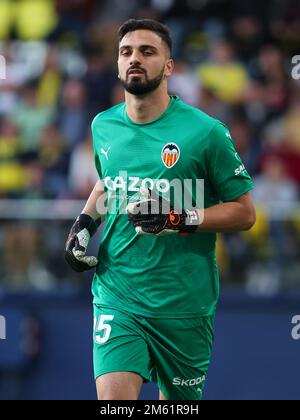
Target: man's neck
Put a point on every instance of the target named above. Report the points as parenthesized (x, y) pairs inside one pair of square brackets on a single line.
[(147, 108)]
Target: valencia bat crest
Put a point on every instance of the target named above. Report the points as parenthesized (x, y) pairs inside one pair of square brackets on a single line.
[(170, 154)]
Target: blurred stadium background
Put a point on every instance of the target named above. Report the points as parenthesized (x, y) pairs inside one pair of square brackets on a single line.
[(234, 61)]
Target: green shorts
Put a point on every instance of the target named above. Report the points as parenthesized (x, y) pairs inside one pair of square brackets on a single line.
[(174, 353)]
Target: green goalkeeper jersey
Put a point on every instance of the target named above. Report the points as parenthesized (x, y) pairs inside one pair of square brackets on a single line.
[(171, 276)]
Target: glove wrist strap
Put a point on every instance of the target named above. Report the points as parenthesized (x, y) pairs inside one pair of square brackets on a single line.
[(191, 221), (87, 222)]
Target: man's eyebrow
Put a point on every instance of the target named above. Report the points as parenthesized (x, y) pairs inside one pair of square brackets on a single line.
[(145, 46)]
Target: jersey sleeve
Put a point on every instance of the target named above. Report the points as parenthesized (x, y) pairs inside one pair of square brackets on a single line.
[(226, 170), (96, 146)]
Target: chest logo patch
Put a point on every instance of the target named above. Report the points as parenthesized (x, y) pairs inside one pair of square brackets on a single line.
[(170, 154)]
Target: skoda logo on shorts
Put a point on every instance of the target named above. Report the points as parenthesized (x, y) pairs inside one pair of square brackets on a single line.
[(170, 154)]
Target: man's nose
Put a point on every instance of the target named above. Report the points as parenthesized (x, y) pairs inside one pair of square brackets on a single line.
[(135, 59)]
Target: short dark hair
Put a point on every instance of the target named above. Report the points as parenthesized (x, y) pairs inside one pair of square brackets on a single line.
[(146, 24)]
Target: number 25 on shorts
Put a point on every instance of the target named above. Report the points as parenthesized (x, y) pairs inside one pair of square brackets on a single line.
[(100, 325)]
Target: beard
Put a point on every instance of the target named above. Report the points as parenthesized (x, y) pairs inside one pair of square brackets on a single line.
[(138, 87)]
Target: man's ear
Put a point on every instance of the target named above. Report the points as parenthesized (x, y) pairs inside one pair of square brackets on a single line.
[(169, 67)]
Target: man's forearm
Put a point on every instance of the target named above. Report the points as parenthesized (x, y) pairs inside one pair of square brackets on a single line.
[(227, 217), (83, 229), (93, 205)]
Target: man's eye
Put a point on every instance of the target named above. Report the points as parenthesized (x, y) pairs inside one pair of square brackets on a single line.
[(125, 52), (148, 52)]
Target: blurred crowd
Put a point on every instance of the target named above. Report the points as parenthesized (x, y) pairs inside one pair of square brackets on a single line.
[(233, 61)]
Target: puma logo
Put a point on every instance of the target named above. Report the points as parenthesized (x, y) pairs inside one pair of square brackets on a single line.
[(105, 153)]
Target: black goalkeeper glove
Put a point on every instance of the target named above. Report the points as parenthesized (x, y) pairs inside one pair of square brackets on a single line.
[(153, 215), (77, 243)]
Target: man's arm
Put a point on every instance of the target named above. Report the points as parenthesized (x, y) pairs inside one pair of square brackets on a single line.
[(83, 229), (94, 206), (229, 179), (149, 218), (234, 216)]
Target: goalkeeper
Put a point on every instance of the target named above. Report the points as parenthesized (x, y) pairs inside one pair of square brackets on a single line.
[(156, 282)]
